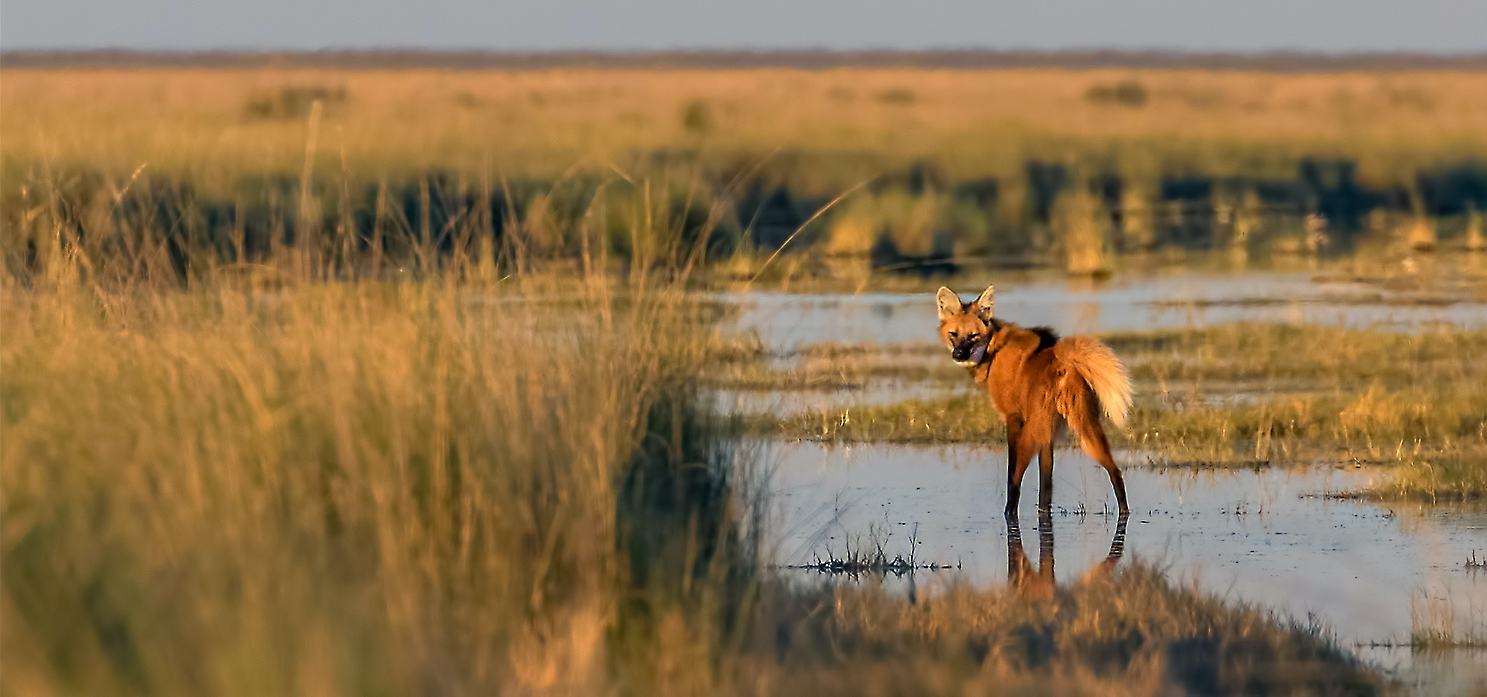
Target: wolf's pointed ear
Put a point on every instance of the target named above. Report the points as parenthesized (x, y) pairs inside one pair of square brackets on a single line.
[(984, 303), (948, 302)]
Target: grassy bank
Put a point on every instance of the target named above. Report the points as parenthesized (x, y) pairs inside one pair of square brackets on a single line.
[(346, 489), (1237, 394)]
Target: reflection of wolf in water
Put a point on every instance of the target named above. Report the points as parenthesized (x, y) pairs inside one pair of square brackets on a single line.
[(1038, 584), (1040, 384)]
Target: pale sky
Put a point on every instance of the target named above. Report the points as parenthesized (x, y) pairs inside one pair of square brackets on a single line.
[(1328, 26)]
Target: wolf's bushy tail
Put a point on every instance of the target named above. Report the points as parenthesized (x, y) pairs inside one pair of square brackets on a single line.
[(1097, 367)]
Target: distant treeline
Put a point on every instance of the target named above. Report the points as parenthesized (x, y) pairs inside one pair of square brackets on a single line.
[(396, 59)]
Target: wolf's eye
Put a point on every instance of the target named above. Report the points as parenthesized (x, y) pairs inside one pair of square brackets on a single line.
[(955, 335)]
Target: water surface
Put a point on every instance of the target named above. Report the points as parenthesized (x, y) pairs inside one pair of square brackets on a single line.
[(1176, 300), (1268, 536)]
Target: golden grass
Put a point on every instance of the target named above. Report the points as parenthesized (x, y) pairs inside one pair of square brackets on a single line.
[(212, 124), (326, 489)]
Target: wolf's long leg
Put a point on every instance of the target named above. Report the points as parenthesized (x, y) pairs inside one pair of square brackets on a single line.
[(1092, 437), (1019, 454), (1024, 456)]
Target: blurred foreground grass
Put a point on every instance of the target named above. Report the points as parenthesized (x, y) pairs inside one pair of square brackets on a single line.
[(385, 489)]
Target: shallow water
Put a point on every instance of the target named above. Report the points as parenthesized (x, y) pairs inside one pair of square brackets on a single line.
[(1261, 536), (754, 402), (1172, 301)]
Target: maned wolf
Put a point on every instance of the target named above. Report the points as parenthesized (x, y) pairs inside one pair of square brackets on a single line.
[(1039, 384)]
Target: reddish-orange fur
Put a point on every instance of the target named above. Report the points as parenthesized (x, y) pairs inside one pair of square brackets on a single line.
[(1040, 385)]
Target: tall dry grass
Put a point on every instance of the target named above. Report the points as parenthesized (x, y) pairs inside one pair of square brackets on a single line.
[(388, 488)]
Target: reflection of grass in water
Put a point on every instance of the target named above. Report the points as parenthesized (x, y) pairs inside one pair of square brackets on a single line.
[(1133, 634), (1449, 477), (1433, 624), (1307, 392)]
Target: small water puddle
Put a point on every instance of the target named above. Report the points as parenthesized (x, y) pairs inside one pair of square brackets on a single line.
[(1262, 536)]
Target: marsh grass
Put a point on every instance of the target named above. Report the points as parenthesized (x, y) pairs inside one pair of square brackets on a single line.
[(1440, 478), (391, 488), (305, 478), (985, 165), (869, 556), (464, 453)]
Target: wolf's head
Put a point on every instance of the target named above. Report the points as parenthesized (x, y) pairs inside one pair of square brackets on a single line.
[(965, 328)]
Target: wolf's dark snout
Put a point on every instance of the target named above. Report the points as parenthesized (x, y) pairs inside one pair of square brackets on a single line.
[(962, 352)]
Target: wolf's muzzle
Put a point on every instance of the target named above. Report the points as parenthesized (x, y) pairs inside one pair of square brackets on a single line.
[(968, 353)]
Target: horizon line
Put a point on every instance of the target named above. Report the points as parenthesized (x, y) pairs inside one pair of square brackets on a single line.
[(392, 58)]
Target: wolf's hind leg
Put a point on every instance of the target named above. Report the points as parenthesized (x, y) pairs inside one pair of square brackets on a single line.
[(1081, 410), (1092, 438)]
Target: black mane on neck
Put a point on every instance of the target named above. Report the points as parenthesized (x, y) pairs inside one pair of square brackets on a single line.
[(1046, 336)]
